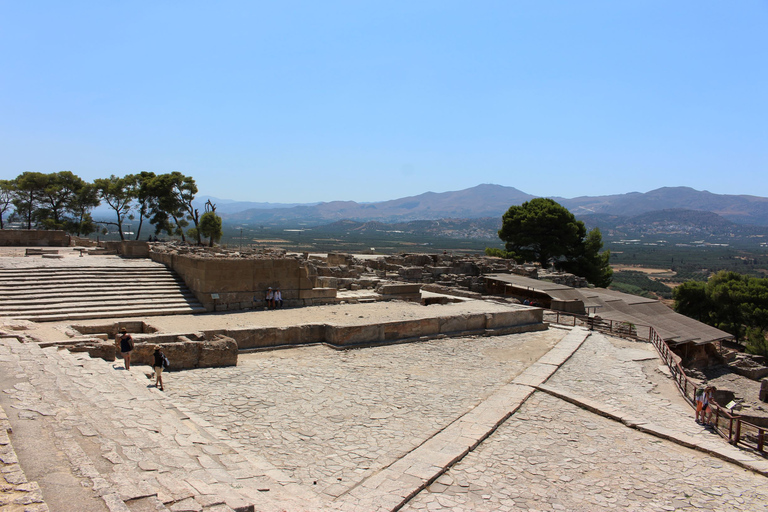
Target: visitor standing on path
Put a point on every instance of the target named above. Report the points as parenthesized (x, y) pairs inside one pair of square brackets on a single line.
[(709, 397), (159, 365), (699, 401), (126, 346)]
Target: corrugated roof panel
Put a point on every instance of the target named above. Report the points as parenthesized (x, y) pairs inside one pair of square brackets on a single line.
[(623, 307)]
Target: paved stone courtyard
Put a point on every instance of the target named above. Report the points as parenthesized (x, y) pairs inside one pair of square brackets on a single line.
[(329, 418), (552, 455), (515, 422)]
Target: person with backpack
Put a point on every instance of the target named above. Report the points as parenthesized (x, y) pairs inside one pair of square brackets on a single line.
[(160, 363)]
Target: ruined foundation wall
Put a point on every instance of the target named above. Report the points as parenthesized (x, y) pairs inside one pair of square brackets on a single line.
[(128, 248), (518, 320), (236, 281), (33, 238)]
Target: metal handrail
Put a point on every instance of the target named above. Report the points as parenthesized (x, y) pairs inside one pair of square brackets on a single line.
[(729, 426)]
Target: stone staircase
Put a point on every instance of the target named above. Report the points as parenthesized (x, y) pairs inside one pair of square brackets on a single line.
[(129, 444), (53, 293)]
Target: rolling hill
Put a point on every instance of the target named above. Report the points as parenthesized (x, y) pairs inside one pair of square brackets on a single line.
[(492, 201)]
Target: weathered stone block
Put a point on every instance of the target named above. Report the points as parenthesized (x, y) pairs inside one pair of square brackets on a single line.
[(318, 293), (411, 272), (220, 351), (33, 237), (514, 317), (350, 335), (184, 353), (96, 347), (399, 289), (453, 324), (476, 321), (133, 249)]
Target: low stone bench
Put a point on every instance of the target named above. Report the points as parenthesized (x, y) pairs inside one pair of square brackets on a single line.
[(34, 251)]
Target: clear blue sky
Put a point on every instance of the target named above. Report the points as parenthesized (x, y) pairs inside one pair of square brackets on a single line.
[(374, 100)]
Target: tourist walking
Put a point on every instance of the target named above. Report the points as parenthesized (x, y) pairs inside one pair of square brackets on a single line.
[(126, 347), (160, 363), (709, 398), (698, 401)]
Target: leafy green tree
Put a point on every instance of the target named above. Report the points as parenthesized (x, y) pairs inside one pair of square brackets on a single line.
[(183, 190), (57, 199), (757, 342), (119, 194), (756, 305), (727, 292), (587, 261), (544, 231), (86, 199), (497, 253), (210, 227), (735, 303), (27, 191), (540, 230), (168, 212), (6, 199), (691, 300), (145, 185)]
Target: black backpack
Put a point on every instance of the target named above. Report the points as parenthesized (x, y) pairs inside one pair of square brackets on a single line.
[(166, 363)]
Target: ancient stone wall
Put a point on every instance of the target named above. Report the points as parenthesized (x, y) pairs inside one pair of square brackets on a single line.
[(184, 352), (517, 320), (79, 241), (224, 283), (33, 238)]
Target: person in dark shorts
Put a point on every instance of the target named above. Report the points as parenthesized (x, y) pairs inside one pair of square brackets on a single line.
[(158, 365), (126, 347)]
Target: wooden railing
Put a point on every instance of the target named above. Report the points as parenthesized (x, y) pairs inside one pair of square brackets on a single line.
[(729, 426)]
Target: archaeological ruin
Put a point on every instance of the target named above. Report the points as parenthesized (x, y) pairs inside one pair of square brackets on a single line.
[(405, 382)]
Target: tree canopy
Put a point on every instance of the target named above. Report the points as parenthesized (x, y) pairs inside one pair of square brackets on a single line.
[(733, 302), (63, 200), (210, 227), (544, 231)]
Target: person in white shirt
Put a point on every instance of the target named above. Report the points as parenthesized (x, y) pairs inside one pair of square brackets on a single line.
[(278, 298), (270, 298)]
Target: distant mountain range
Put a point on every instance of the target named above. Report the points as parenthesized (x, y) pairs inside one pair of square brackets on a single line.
[(492, 201), (673, 224)]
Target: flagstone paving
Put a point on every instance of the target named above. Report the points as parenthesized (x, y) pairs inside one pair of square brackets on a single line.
[(483, 423), (552, 455), (331, 418)]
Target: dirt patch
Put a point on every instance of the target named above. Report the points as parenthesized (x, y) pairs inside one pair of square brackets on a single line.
[(645, 270)]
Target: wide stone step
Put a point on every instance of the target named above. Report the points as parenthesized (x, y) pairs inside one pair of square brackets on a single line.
[(80, 293), (87, 281), (32, 272), (70, 294), (122, 313), (93, 306)]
